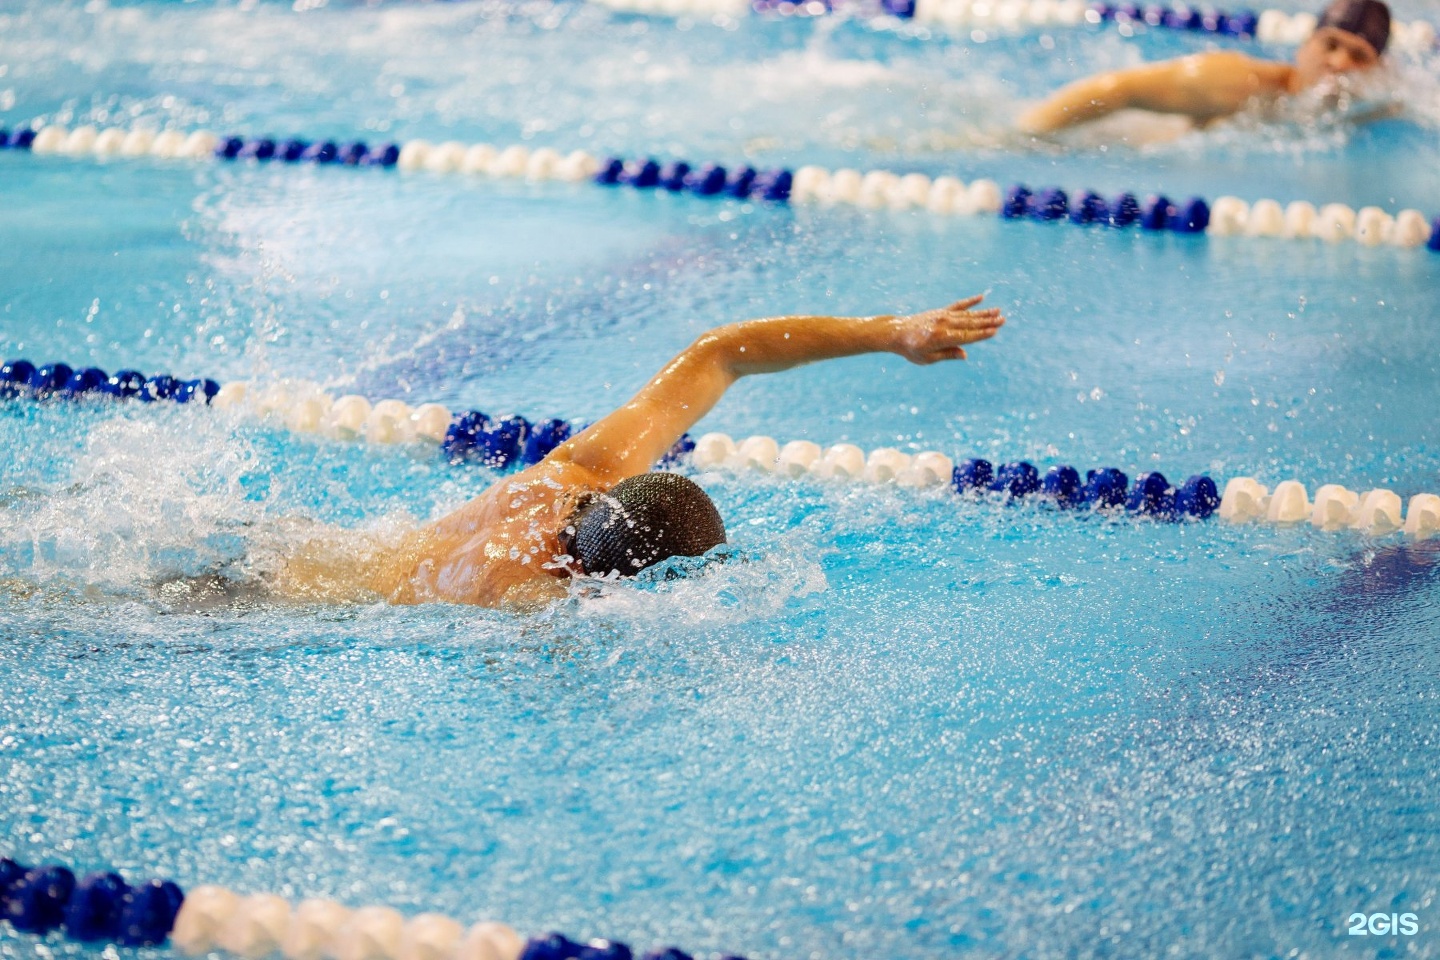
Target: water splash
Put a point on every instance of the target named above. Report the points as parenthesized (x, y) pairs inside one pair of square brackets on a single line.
[(146, 497), (731, 587)]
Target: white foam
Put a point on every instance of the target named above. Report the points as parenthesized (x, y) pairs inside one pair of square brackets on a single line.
[(743, 588), (149, 496)]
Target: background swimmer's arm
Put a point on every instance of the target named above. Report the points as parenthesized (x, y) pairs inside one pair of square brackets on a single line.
[(1204, 86), (1087, 99), (630, 440)]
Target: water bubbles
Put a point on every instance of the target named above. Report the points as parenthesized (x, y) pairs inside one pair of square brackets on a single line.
[(731, 586), (140, 500)]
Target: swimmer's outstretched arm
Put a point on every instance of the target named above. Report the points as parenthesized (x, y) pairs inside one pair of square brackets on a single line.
[(1204, 87), (629, 441)]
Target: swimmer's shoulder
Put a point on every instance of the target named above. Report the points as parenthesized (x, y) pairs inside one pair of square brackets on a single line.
[(493, 550), (1234, 66)]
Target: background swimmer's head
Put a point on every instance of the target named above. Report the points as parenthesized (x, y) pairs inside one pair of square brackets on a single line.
[(641, 521), (1351, 36)]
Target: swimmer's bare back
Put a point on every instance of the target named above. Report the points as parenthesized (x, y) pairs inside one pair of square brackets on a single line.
[(503, 547)]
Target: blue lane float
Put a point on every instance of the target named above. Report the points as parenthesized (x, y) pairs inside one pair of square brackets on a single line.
[(1152, 496), (59, 380), (971, 476), (1104, 489), (497, 442), (100, 907), (263, 149), (1155, 213), (1016, 480), (1062, 484), (706, 180), (1241, 23)]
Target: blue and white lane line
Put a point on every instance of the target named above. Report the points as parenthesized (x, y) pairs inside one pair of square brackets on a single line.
[(983, 19), (505, 441), (104, 908), (875, 189)]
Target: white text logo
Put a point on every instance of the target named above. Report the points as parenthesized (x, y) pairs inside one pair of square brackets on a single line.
[(1382, 924)]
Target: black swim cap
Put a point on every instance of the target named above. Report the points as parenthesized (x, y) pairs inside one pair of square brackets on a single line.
[(1364, 18), (642, 521)]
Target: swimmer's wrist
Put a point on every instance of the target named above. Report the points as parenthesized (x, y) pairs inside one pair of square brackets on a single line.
[(886, 328)]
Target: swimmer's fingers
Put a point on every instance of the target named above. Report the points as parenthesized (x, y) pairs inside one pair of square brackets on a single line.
[(977, 325), (949, 319), (991, 316), (962, 305)]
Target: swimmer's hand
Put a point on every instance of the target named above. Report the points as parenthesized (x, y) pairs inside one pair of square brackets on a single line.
[(936, 335)]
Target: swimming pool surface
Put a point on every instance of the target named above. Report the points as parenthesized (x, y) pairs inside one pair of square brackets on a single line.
[(899, 724)]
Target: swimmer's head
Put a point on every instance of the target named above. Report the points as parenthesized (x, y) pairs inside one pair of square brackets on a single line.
[(1351, 36), (639, 522)]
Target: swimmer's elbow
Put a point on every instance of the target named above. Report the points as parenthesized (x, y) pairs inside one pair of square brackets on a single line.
[(1038, 120), (1116, 91), (1078, 103), (717, 352)]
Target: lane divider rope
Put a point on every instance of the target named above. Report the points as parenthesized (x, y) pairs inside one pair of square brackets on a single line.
[(983, 17), (104, 908), (502, 442), (876, 189), (1270, 26)]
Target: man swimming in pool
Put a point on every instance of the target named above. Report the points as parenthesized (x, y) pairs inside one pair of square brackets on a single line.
[(1351, 36), (593, 506)]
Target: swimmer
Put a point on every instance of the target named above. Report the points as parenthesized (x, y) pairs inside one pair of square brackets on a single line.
[(1350, 37), (593, 506)]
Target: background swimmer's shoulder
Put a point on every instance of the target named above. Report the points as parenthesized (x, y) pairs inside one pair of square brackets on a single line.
[(1232, 66), (1215, 84)]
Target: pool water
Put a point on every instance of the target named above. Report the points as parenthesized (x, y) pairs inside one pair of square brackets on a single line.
[(895, 723)]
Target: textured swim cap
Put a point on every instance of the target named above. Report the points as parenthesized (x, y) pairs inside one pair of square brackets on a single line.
[(1364, 18), (642, 521)]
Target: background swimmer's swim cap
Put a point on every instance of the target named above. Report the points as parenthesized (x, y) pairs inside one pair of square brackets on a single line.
[(644, 520), (1364, 18)]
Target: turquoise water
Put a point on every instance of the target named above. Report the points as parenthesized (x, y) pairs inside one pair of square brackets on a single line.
[(900, 725)]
